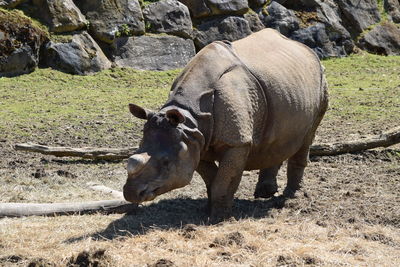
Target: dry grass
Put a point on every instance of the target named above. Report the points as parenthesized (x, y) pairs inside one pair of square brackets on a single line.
[(264, 242)]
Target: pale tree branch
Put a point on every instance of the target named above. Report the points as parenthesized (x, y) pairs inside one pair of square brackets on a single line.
[(386, 139)]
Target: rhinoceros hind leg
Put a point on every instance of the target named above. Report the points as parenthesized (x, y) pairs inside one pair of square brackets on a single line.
[(297, 163), (267, 186), (295, 170)]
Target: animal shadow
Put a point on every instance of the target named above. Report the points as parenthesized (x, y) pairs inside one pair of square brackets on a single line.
[(175, 213)]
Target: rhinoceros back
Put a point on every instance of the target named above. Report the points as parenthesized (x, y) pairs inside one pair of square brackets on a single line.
[(292, 79)]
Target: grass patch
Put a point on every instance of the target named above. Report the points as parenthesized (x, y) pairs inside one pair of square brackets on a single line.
[(364, 88), (89, 107), (57, 108)]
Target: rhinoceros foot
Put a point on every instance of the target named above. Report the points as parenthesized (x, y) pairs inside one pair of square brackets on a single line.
[(265, 190), (290, 192)]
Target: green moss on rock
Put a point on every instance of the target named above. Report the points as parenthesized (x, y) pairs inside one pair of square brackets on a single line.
[(18, 30)]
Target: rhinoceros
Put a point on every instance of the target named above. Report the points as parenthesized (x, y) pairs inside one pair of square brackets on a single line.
[(247, 105)]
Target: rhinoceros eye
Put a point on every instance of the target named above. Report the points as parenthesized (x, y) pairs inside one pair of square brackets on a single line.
[(165, 162)]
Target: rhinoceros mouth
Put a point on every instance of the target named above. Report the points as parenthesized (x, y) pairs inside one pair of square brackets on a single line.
[(146, 194)]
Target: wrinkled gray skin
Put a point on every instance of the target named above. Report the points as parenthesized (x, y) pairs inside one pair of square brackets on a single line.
[(246, 105)]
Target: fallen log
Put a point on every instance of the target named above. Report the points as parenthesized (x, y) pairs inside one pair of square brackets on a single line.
[(52, 209), (388, 138), (106, 190), (85, 152)]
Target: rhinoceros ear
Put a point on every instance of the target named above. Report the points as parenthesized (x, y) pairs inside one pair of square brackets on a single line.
[(175, 117), (140, 112)]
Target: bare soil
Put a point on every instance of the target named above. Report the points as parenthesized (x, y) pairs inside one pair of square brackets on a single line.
[(351, 191)]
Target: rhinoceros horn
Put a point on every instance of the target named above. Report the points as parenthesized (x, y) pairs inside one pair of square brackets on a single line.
[(137, 162)]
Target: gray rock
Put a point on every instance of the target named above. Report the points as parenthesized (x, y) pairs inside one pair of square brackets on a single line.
[(316, 38), (198, 8), (204, 8), (229, 28), (152, 52), (358, 15), (21, 61), (384, 39), (61, 15), (298, 4), (257, 3), (392, 7), (168, 16), (280, 19), (110, 19), (329, 13), (80, 56), (10, 3), (254, 21), (232, 7)]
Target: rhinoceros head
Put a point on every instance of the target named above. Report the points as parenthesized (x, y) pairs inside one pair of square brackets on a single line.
[(166, 158)]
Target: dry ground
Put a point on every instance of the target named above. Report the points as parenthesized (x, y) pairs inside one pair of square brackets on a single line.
[(348, 212)]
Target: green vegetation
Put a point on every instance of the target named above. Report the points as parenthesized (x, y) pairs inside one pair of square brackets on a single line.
[(14, 21), (124, 30), (50, 106), (17, 17), (88, 107), (144, 3), (364, 88), (382, 11), (62, 37)]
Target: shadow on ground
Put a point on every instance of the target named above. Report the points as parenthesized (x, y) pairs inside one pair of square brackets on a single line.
[(175, 213)]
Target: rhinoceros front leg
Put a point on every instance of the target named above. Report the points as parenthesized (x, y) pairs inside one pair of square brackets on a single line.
[(226, 182), (208, 171)]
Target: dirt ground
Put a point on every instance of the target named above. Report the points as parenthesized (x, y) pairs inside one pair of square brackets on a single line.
[(340, 192)]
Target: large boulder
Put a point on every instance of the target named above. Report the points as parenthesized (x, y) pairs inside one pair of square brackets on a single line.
[(61, 15), (280, 18), (168, 16), (358, 15), (152, 52), (198, 8), (10, 3), (110, 19), (384, 39), (254, 21), (232, 7), (392, 7), (316, 38), (81, 55), (321, 26), (229, 28), (20, 42), (204, 8), (329, 14)]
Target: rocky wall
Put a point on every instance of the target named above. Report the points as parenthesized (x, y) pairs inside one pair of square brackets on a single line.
[(92, 35)]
